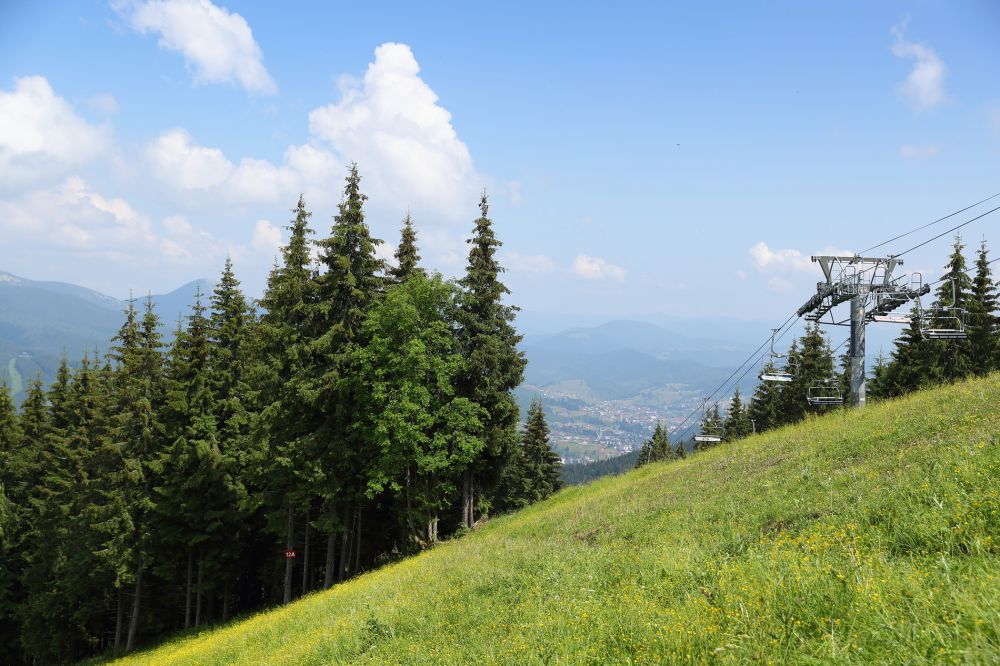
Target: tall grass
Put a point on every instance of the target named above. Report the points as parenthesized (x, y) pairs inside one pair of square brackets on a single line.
[(858, 537)]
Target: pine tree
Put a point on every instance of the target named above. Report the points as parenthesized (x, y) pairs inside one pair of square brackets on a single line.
[(542, 464), (984, 325), (494, 365), (13, 472), (229, 377), (737, 420), (763, 409), (348, 289), (198, 490), (952, 297), (283, 354), (914, 361), (407, 256), (138, 433)]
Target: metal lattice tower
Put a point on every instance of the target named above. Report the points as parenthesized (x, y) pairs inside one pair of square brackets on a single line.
[(869, 285)]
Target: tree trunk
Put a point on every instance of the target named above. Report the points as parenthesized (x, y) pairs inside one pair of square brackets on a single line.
[(345, 545), (133, 625), (357, 543), (190, 584), (409, 513), (119, 621), (468, 499), (305, 557), (289, 545), (331, 545), (197, 606)]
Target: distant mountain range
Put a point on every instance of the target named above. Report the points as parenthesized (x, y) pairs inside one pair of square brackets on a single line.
[(41, 321), (603, 385)]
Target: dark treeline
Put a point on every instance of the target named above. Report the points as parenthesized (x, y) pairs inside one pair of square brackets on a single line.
[(577, 473), (917, 362), (364, 414)]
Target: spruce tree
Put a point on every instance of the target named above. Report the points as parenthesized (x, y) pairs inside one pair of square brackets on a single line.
[(951, 298), (658, 448), (494, 365), (407, 256), (350, 285), (541, 463), (229, 377), (13, 471), (763, 409), (984, 325), (285, 420), (737, 420), (198, 490)]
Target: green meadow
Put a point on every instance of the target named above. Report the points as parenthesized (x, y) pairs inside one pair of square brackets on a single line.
[(858, 537)]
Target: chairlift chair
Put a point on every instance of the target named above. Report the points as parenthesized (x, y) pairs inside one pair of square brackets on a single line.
[(944, 322), (711, 434), (825, 393), (785, 374)]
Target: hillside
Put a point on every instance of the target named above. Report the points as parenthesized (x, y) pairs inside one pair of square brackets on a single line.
[(39, 321), (859, 537)]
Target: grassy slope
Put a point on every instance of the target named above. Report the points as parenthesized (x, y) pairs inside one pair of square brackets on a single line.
[(853, 538)]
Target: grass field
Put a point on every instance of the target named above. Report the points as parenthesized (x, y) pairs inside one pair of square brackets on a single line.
[(859, 537)]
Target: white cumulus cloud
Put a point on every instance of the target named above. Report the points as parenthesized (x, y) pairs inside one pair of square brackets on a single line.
[(266, 237), (765, 258), (218, 45), (188, 167), (391, 124), (41, 137), (924, 85), (595, 268)]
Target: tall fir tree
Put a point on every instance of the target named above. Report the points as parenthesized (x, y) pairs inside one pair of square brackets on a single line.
[(763, 408), (984, 325), (494, 366), (541, 464), (737, 422), (229, 377), (952, 298), (285, 421), (407, 255), (349, 286)]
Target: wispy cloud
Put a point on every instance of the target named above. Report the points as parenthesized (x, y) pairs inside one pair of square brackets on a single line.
[(924, 85)]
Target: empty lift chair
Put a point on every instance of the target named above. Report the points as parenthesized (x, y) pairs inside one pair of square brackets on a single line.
[(710, 434), (825, 393), (944, 322), (770, 373)]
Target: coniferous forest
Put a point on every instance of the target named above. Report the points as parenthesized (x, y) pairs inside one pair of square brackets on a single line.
[(358, 413)]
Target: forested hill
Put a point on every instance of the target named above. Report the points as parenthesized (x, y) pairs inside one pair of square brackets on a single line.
[(866, 536), (573, 474)]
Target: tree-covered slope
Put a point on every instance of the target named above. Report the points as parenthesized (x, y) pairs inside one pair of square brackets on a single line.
[(858, 537)]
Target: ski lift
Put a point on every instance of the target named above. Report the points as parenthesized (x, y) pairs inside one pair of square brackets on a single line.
[(786, 374), (944, 322), (711, 433), (825, 393)]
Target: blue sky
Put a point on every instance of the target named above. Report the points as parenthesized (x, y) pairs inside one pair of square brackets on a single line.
[(642, 159)]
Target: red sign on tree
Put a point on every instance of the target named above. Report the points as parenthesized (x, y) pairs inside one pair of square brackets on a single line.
[(289, 554)]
